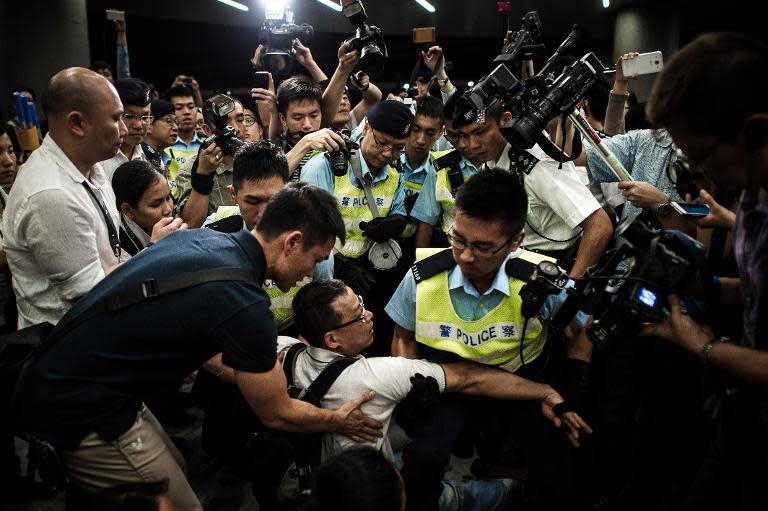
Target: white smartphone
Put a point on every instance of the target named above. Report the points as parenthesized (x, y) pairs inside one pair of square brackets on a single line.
[(690, 209), (115, 15), (643, 64)]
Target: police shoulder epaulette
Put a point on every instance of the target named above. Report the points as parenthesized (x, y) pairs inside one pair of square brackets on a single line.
[(447, 160), (432, 265), (523, 161)]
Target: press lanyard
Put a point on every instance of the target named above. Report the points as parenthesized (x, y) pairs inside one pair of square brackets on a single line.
[(114, 239)]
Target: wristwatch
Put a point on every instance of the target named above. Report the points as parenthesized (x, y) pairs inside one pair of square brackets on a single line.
[(442, 82), (663, 209)]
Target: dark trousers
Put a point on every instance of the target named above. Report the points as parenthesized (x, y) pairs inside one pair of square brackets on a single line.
[(545, 449), (735, 472)]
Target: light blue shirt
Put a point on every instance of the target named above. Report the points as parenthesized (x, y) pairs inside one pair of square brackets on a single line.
[(644, 157), (467, 302), (427, 209), (317, 171), (419, 174), (181, 146)]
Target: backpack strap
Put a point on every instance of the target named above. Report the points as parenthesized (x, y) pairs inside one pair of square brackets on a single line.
[(432, 265), (317, 390), (289, 362)]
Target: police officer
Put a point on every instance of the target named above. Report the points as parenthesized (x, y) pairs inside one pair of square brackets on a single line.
[(161, 134), (417, 162), (435, 203), (371, 201), (461, 304)]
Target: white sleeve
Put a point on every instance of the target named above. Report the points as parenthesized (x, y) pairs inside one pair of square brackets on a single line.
[(393, 375), (562, 190)]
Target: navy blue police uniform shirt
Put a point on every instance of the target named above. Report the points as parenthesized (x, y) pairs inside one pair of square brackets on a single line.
[(96, 377)]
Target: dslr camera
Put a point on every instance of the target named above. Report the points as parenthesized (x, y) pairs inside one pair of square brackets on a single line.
[(368, 40), (215, 112), (339, 160), (277, 35)]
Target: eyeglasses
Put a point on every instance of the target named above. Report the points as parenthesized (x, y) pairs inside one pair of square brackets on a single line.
[(361, 318), (170, 121), (394, 151), (477, 251), (249, 120), (145, 119)]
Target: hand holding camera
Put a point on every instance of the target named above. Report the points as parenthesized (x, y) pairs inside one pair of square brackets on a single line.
[(348, 57), (208, 159), (323, 140), (360, 81)]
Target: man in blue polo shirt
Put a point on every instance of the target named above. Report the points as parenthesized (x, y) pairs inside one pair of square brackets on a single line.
[(85, 395)]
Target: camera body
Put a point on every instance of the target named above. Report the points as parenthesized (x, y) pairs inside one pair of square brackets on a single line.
[(215, 113), (339, 160), (277, 35), (368, 40), (529, 34)]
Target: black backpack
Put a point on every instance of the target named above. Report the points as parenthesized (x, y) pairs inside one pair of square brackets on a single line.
[(282, 462)]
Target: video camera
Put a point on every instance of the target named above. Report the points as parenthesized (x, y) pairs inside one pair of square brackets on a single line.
[(526, 38), (630, 285), (277, 35), (215, 112), (537, 100), (368, 40)]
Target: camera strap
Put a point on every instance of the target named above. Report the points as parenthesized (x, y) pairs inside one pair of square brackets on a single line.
[(357, 169), (556, 153)]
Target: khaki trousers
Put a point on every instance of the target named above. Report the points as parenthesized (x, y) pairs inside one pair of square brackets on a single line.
[(144, 453)]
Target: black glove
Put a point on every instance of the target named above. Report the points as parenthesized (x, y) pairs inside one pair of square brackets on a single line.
[(418, 403), (383, 228), (351, 274), (409, 202)]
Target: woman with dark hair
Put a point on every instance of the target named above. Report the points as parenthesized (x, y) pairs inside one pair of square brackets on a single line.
[(145, 205), (254, 129)]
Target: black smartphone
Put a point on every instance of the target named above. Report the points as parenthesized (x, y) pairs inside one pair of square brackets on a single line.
[(261, 79)]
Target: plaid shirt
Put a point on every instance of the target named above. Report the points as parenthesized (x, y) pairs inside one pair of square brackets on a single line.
[(219, 195)]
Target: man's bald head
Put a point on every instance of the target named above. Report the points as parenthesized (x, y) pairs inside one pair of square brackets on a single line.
[(74, 89)]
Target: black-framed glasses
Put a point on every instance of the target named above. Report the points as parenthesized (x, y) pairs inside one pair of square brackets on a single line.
[(360, 318), (145, 119), (477, 251), (394, 151)]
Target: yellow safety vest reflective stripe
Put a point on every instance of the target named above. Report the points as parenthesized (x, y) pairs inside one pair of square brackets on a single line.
[(353, 207), (493, 339)]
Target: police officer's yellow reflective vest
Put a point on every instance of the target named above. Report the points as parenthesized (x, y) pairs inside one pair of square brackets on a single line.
[(178, 159), (411, 187), (281, 304), (491, 340), (353, 207)]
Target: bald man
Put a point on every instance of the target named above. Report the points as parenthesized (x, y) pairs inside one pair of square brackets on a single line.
[(57, 223)]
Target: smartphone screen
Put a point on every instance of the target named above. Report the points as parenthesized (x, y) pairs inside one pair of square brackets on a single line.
[(691, 209), (424, 35), (261, 80)]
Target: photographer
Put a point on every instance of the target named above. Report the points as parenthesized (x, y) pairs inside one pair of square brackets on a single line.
[(384, 138), (298, 107), (204, 194), (337, 108), (728, 141)]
